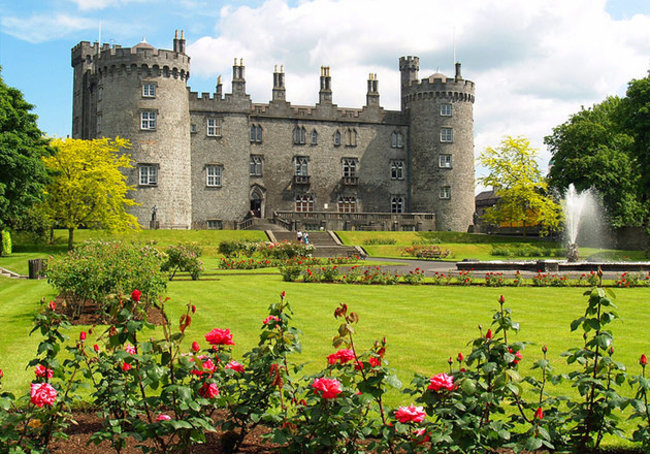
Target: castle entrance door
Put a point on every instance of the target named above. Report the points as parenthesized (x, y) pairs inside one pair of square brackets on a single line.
[(257, 203)]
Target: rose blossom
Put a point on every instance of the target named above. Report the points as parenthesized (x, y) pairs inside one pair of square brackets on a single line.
[(43, 372), (270, 318), (518, 356), (460, 358), (643, 360), (234, 365), (421, 434), (488, 335), (410, 414), (135, 295), (219, 337), (195, 346), (96, 348), (441, 381), (52, 305), (343, 356), (209, 390), (42, 394), (126, 367), (163, 418), (130, 349), (328, 388), (82, 336), (207, 364)]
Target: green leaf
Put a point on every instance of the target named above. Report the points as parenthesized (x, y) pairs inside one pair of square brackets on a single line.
[(604, 340), (533, 444)]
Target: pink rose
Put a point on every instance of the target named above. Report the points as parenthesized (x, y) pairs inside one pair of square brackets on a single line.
[(135, 295), (234, 365), (42, 394), (343, 356), (209, 390), (206, 365), (163, 418), (219, 337), (422, 435), (441, 381), (130, 349), (518, 356), (328, 388), (43, 372), (410, 414), (270, 318)]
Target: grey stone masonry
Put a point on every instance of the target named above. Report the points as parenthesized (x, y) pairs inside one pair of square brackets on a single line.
[(212, 160)]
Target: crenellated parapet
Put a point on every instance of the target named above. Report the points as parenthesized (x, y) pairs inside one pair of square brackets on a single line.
[(439, 87)]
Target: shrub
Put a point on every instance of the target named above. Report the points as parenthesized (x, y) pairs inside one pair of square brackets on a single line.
[(426, 252), (494, 279), (414, 277), (98, 269), (375, 241), (290, 273), (286, 250), (6, 242), (183, 257), (232, 248), (329, 273)]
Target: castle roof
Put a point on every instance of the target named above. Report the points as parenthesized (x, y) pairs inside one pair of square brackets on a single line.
[(143, 45), (437, 75)]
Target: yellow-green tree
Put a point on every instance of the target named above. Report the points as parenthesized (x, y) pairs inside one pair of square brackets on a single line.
[(519, 185), (88, 189)]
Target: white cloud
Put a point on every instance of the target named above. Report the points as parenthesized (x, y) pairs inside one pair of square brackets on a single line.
[(86, 5), (40, 28)]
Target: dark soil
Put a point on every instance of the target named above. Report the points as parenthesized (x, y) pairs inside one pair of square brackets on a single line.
[(92, 315), (88, 423)]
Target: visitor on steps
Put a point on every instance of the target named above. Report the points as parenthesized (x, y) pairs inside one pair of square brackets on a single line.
[(299, 236)]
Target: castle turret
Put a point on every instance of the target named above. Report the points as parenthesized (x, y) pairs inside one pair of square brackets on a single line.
[(238, 78), (141, 94), (279, 91), (441, 145), (325, 93), (372, 96)]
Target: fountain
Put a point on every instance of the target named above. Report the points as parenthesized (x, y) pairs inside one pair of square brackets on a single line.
[(579, 209)]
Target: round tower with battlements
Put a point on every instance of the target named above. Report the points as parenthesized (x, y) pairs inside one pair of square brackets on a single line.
[(141, 93), (440, 114)]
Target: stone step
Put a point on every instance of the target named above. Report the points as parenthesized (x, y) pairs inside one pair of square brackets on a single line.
[(8, 273)]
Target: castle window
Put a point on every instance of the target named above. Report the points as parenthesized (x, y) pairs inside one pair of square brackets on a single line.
[(444, 161), (314, 137), (149, 90), (446, 135), (396, 140), (193, 129), (445, 110), (148, 119), (302, 166), (445, 192), (100, 93), (350, 167), (213, 176), (299, 135), (397, 204), (256, 165), (214, 127), (148, 175), (337, 138), (351, 137), (256, 134), (347, 204), (397, 170), (304, 203), (215, 224), (99, 123)]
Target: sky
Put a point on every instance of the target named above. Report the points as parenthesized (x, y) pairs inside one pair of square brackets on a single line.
[(534, 62)]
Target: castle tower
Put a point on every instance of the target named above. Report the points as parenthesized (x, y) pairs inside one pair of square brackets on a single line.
[(325, 93), (441, 144), (279, 90), (238, 78), (141, 93), (372, 96)]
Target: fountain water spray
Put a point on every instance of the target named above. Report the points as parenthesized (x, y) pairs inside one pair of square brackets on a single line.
[(581, 210)]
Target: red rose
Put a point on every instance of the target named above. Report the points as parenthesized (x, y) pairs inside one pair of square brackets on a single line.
[(270, 318), (342, 356), (195, 346), (135, 295), (126, 367), (209, 390), (43, 372), (460, 358), (82, 335), (206, 366), (502, 299), (219, 337), (539, 414), (283, 294), (374, 362), (328, 388), (643, 360), (42, 394), (488, 335), (518, 356), (96, 348), (2, 374), (163, 418), (234, 365), (410, 414), (52, 305), (422, 435), (441, 381)]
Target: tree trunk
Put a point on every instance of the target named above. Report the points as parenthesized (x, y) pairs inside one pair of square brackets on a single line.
[(52, 234), (1, 243), (70, 238)]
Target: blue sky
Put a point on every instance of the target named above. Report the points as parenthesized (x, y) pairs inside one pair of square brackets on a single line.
[(534, 62)]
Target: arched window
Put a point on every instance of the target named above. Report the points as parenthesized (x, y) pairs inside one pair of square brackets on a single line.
[(299, 135), (351, 137), (396, 140), (256, 133), (337, 138), (314, 137)]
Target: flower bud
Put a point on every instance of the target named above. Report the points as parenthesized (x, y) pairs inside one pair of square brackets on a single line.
[(488, 335), (450, 361), (96, 348), (544, 349), (539, 414), (135, 295), (2, 374), (643, 360), (82, 336), (502, 299), (460, 358), (610, 351), (195, 346), (283, 294), (52, 305), (193, 309)]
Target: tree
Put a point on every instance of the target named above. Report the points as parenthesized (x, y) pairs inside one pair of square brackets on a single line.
[(87, 187), (592, 150), (22, 173), (518, 183), (635, 119)]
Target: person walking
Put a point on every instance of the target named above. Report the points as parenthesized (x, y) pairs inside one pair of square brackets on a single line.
[(299, 236), (306, 238)]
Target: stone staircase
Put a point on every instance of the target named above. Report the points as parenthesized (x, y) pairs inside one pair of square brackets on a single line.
[(8, 273), (326, 243), (264, 224)]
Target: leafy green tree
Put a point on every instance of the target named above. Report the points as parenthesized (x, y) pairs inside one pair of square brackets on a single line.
[(635, 118), (592, 150), (87, 187), (518, 183), (22, 173)]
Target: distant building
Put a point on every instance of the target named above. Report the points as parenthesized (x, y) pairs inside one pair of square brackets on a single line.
[(219, 160)]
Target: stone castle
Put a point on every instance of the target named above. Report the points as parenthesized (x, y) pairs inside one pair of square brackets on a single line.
[(222, 161)]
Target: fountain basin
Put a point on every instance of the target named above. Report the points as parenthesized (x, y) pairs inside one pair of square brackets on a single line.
[(552, 266)]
